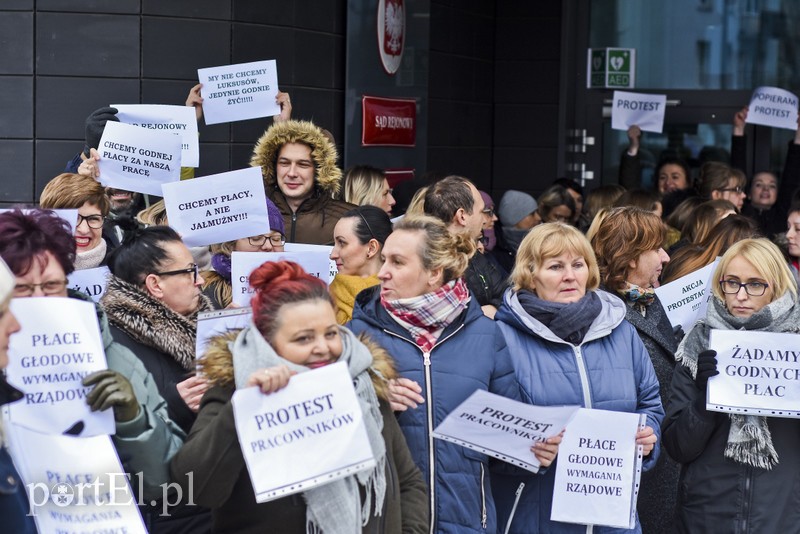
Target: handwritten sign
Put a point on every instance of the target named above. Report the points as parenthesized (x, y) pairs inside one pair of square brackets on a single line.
[(90, 282), (598, 469), (322, 249), (58, 345), (137, 159), (771, 106), (503, 428), (217, 208), (642, 110), (218, 322), (317, 411), (759, 373), (686, 299), (244, 263), (238, 92), (175, 119)]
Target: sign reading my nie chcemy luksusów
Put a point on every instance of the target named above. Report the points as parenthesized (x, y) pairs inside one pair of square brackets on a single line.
[(238, 92)]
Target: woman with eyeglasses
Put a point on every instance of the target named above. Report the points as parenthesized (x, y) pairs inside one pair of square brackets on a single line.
[(358, 239), (739, 472), (76, 191), (217, 280), (720, 181)]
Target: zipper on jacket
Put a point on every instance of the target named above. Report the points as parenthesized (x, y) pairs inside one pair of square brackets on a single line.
[(587, 394), (483, 499), (746, 500), (294, 225), (517, 496)]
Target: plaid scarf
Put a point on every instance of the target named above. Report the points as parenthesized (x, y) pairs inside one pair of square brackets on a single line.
[(426, 316)]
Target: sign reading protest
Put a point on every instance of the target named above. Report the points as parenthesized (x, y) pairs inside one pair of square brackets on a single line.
[(686, 299), (74, 484), (637, 109), (771, 106), (317, 411), (503, 428), (71, 216), (138, 159), (598, 469), (218, 322), (238, 92), (90, 282), (218, 208), (322, 249), (58, 346), (244, 263), (176, 119), (759, 373)]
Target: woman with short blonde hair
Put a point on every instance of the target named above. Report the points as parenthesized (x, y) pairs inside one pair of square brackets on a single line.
[(367, 185)]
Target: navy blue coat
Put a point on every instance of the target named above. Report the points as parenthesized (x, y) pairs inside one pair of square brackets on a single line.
[(470, 354), (13, 497)]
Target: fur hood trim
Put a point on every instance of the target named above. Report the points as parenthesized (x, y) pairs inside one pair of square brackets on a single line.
[(217, 363), (149, 322), (327, 175)]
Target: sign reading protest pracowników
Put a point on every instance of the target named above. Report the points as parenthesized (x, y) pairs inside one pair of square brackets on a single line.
[(138, 159), (503, 428), (218, 322), (244, 263), (238, 92), (317, 411), (322, 249), (598, 469), (686, 299), (90, 282), (59, 344), (772, 106), (759, 373), (218, 208), (174, 119), (637, 109)]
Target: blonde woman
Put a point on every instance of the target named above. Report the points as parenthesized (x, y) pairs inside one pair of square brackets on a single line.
[(364, 184)]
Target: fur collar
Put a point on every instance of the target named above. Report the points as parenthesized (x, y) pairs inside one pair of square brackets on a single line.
[(149, 322)]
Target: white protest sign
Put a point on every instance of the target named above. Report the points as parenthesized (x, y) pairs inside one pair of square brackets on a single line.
[(305, 247), (174, 119), (244, 263), (137, 159), (598, 469), (74, 485), (238, 92), (58, 345), (71, 216), (90, 282), (637, 109), (217, 208), (771, 106), (503, 428), (218, 322), (686, 299), (759, 373), (317, 411)]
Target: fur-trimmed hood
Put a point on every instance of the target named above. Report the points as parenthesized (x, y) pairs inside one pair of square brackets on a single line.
[(149, 322), (327, 175), (217, 363)]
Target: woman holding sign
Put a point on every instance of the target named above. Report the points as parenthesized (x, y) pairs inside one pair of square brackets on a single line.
[(739, 472), (570, 345), (294, 331)]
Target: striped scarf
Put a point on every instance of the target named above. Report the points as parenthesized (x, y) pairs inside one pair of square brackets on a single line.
[(426, 316)]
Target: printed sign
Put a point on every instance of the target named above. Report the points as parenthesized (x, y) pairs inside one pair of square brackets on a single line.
[(218, 208), (771, 106), (238, 92), (90, 282), (503, 428), (686, 299), (175, 119), (218, 322), (322, 249), (317, 411), (71, 216), (388, 121), (244, 263), (137, 159), (637, 109), (598, 469), (612, 68)]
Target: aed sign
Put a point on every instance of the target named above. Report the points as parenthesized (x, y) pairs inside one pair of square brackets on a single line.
[(612, 68)]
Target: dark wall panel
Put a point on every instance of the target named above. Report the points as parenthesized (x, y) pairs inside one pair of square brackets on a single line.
[(176, 48), (16, 106), (16, 43), (16, 160)]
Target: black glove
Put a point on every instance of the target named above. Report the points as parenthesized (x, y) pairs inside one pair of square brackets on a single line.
[(112, 390), (706, 368), (96, 123)]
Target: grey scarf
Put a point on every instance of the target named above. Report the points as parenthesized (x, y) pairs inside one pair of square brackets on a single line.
[(334, 507), (749, 439), (91, 258)]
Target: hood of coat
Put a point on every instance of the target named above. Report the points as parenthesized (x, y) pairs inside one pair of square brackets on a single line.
[(217, 363), (611, 315), (327, 175)]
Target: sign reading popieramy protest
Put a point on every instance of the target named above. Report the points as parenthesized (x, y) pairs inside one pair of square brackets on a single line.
[(238, 92), (686, 299), (771, 106), (58, 345), (218, 322), (503, 428), (637, 109), (322, 249), (74, 485), (175, 119), (598, 469), (307, 434), (217, 208), (138, 159), (90, 282), (244, 263), (71, 216), (759, 373)]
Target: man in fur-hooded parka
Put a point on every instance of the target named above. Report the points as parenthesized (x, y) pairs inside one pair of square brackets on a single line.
[(298, 163)]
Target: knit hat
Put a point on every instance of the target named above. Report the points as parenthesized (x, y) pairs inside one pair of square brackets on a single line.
[(7, 281), (275, 218), (515, 206), (96, 123)]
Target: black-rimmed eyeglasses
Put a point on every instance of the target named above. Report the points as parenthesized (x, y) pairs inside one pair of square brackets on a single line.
[(189, 270), (277, 240), (736, 190), (732, 287), (94, 221)]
